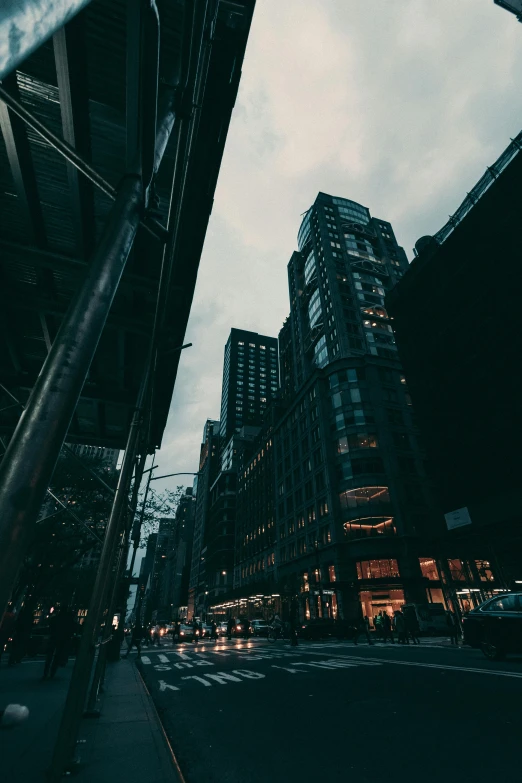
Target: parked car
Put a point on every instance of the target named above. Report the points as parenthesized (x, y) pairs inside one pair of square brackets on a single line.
[(222, 628), (495, 626), (259, 627), (321, 628)]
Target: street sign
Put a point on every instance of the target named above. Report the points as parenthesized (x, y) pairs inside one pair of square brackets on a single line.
[(458, 518)]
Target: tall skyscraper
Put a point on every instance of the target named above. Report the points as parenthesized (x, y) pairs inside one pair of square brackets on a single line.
[(352, 495), (250, 379), (208, 469)]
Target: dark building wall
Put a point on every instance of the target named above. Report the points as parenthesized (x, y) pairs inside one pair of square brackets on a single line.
[(455, 316)]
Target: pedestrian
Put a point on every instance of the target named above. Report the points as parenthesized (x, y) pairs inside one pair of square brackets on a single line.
[(412, 627), (400, 627), (361, 626), (136, 637), (378, 625), (156, 635), (195, 631), (7, 628), (387, 631), (246, 628), (230, 626), (213, 631), (62, 627), (453, 627)]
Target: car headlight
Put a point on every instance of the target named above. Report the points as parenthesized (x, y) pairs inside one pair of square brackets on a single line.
[(182, 633)]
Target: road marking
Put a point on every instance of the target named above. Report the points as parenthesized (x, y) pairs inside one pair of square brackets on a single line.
[(183, 665), (250, 675), (223, 677), (164, 685), (160, 667), (474, 670), (199, 679), (145, 659), (163, 658), (285, 669)]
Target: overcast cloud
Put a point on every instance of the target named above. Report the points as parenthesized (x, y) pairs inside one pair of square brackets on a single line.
[(397, 104)]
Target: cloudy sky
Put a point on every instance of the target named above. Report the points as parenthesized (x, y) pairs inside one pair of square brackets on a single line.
[(397, 104)]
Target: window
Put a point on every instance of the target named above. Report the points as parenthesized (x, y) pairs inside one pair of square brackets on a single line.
[(371, 527), (484, 571), (508, 603), (377, 569), (429, 568), (314, 308), (331, 573), (364, 496)]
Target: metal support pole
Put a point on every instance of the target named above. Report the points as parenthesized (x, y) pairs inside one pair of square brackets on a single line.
[(27, 24), (136, 531), (66, 741), (34, 448)]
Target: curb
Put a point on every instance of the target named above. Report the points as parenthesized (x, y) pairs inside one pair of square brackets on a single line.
[(172, 755)]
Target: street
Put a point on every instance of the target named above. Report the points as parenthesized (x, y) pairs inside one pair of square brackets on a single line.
[(253, 711)]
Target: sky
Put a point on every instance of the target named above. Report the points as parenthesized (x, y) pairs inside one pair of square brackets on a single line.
[(399, 105)]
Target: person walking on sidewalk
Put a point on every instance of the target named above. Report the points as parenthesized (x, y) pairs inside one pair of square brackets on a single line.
[(400, 627), (412, 627), (62, 626), (453, 627), (7, 628), (387, 631), (136, 638), (378, 625), (361, 626)]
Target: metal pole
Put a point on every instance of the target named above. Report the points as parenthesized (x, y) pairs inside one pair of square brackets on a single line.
[(136, 531), (66, 741), (27, 24), (33, 450), (121, 557)]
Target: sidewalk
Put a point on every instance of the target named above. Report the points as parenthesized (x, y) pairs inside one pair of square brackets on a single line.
[(125, 743)]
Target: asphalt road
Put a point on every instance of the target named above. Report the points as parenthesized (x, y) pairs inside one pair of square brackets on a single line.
[(253, 711)]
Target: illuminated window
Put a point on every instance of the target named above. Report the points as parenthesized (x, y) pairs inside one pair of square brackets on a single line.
[(369, 527), (484, 571), (363, 496), (377, 569), (331, 573), (429, 568)]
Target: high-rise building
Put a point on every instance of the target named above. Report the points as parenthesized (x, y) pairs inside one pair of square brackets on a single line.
[(250, 379), (208, 470), (175, 577), (353, 502)]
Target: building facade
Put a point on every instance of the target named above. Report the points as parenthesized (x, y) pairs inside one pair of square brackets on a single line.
[(456, 320), (208, 470), (250, 380), (353, 501)]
